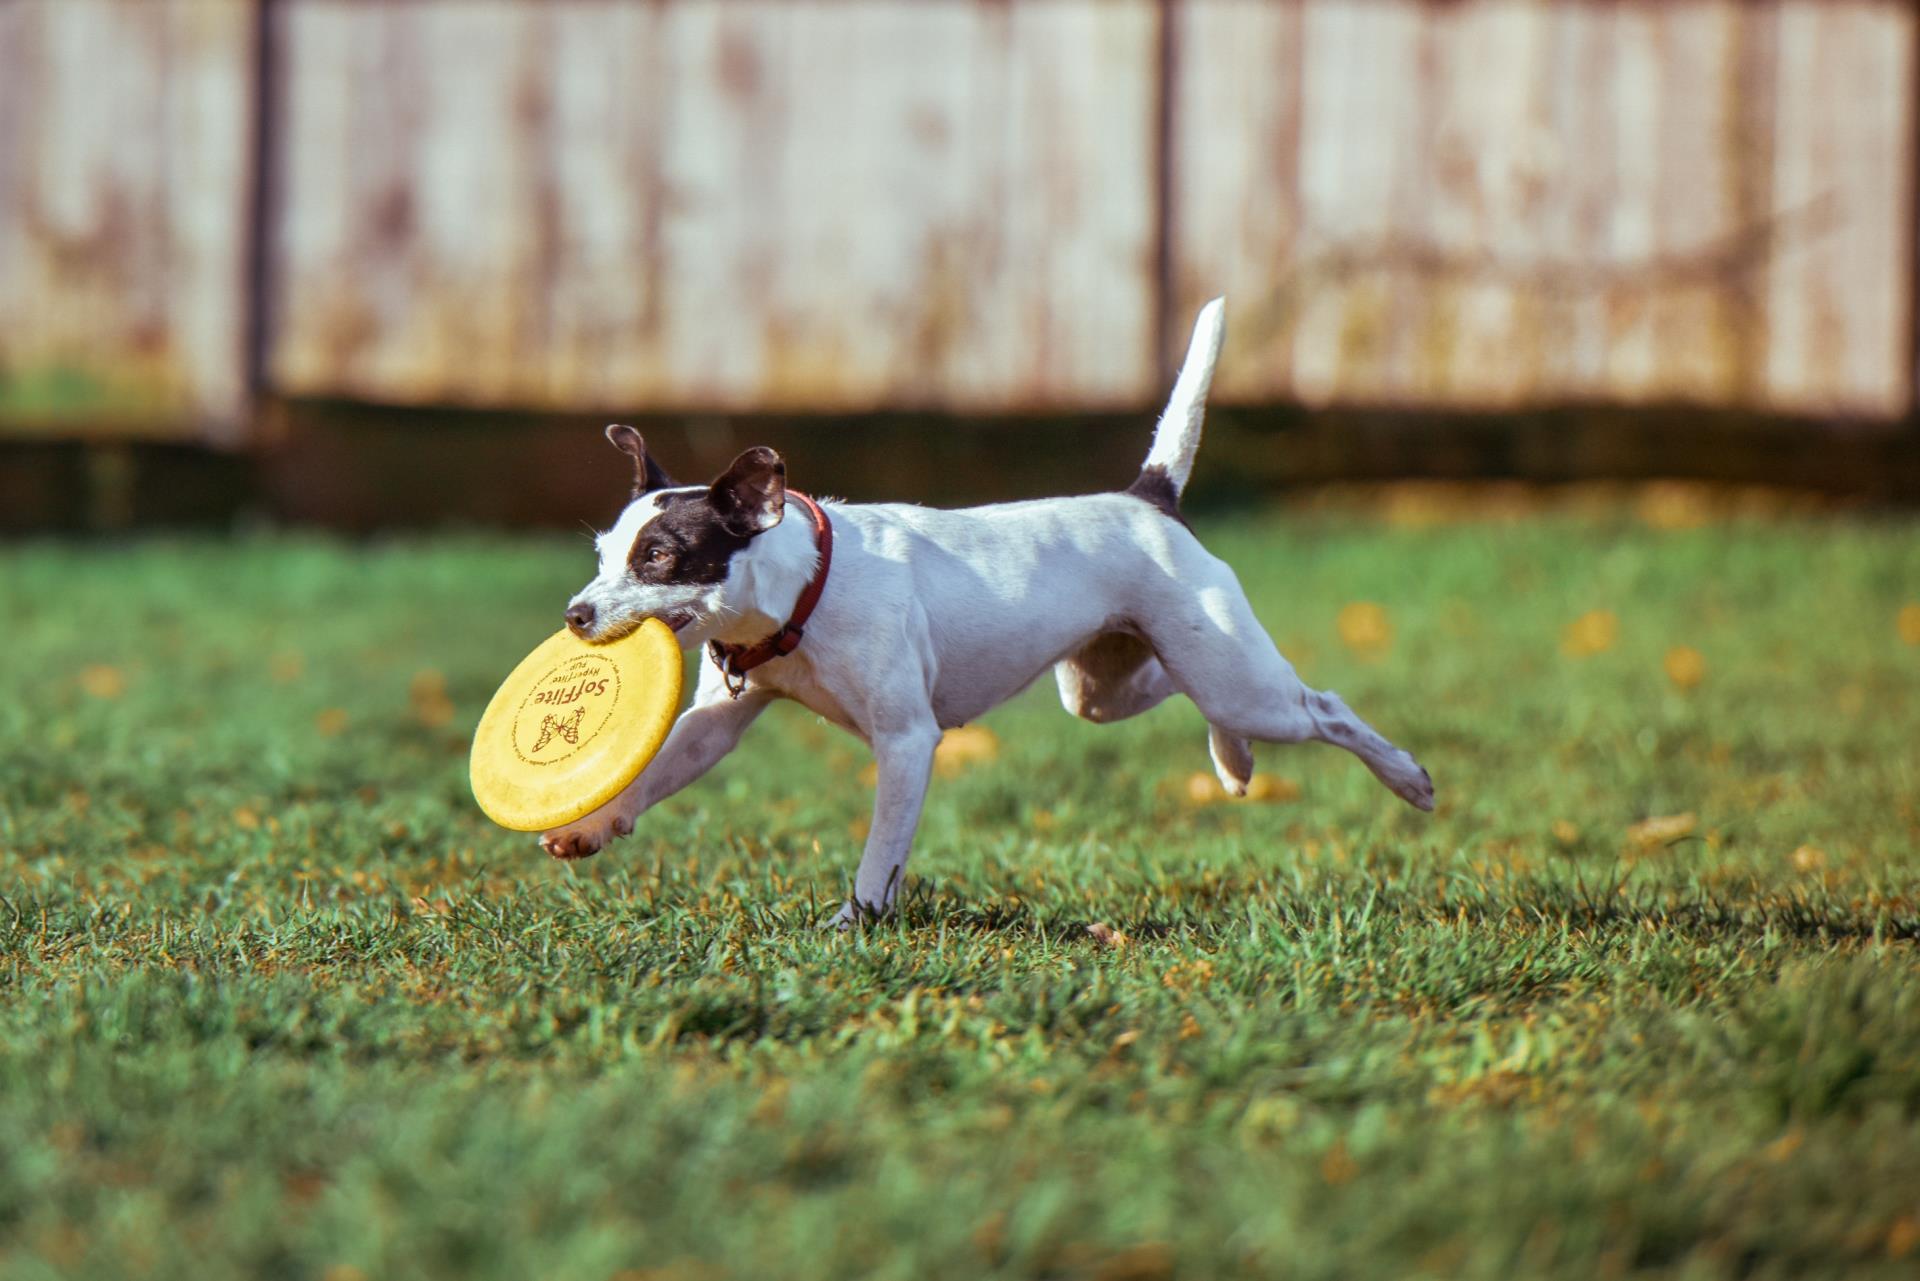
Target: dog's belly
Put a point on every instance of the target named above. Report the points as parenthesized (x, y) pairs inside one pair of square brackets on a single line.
[(958, 705), (971, 685)]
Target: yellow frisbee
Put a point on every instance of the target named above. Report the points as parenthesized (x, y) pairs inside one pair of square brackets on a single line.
[(573, 725)]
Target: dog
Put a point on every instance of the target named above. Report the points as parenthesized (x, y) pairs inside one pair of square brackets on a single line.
[(927, 619)]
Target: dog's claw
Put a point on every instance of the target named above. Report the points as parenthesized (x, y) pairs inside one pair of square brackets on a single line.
[(587, 837), (1420, 794)]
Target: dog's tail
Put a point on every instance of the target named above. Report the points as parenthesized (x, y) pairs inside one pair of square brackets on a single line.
[(1177, 439)]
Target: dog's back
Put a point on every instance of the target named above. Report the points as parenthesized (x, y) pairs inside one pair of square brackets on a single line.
[(1000, 593)]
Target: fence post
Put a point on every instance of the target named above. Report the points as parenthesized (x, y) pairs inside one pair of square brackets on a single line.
[(1913, 223), (1167, 72), (256, 320)]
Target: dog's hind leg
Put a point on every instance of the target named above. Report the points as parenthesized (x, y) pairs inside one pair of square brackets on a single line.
[(1113, 676), (1218, 655), (1116, 675), (1232, 759)]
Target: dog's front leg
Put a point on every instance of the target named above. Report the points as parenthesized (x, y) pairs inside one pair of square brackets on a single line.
[(704, 733), (905, 761)]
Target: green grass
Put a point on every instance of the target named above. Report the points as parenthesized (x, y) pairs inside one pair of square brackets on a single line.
[(278, 1001)]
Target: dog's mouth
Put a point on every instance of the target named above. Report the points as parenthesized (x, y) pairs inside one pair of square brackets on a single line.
[(675, 620)]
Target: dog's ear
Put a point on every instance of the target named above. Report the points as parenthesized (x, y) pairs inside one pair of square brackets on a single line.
[(752, 494), (647, 474)]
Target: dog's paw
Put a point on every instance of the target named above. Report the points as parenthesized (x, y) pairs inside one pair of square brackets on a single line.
[(1415, 787), (585, 838), (852, 913)]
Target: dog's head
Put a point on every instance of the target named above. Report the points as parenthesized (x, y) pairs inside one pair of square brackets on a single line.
[(678, 552)]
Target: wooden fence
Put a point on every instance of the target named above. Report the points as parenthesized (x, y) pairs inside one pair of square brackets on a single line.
[(852, 205), (125, 181)]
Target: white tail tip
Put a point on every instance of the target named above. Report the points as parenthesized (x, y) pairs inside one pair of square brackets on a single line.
[(1177, 439)]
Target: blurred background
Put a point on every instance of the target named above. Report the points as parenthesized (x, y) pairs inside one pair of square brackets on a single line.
[(385, 264)]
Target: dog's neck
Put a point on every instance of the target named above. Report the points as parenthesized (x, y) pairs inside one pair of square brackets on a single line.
[(771, 574)]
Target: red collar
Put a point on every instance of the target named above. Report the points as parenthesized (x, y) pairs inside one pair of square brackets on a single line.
[(735, 661)]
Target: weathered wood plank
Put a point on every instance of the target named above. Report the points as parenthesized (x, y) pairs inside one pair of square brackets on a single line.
[(842, 204), (1498, 203), (124, 181), (1838, 295), (861, 204)]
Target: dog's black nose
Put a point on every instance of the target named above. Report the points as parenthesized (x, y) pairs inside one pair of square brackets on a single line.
[(579, 618)]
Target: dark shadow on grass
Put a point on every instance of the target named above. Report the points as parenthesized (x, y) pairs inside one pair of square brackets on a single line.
[(1573, 905), (922, 908)]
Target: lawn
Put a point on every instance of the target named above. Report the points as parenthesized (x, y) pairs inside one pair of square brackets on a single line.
[(1642, 997)]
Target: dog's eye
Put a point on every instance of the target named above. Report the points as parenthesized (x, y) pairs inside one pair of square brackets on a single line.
[(659, 556)]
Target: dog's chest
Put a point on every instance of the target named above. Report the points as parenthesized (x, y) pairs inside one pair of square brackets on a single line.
[(799, 681)]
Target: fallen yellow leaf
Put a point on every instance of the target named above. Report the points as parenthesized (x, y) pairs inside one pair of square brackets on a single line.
[(1564, 832), (434, 713), (1809, 858), (1204, 789), (1903, 1236), (960, 748), (332, 722), (1107, 936), (1785, 1146), (1675, 504), (101, 680), (1592, 633), (428, 694), (1365, 629), (1338, 1166), (1651, 832), (1271, 787), (1686, 666), (1908, 621)]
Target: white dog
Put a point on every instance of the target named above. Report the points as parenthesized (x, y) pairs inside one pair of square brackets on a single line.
[(927, 619)]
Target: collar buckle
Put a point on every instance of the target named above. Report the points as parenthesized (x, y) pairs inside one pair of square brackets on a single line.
[(722, 655)]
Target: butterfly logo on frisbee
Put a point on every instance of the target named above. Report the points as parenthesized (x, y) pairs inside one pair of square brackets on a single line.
[(552, 727)]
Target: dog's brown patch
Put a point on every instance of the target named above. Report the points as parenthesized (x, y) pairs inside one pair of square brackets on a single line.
[(694, 538), (686, 543), (1155, 488)]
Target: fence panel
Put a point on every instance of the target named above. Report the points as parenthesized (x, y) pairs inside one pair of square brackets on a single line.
[(1500, 203), (124, 195), (838, 204)]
